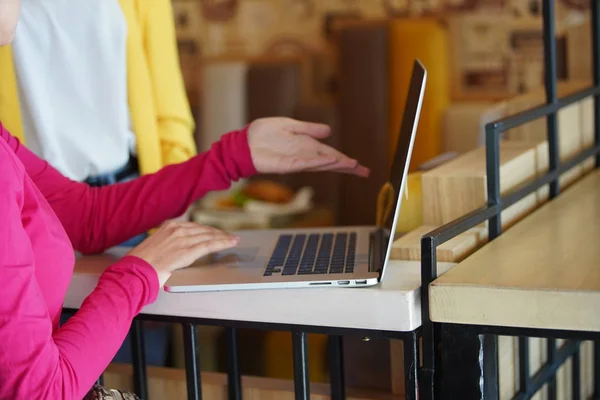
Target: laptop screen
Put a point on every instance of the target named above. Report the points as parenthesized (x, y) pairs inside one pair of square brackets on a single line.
[(404, 147)]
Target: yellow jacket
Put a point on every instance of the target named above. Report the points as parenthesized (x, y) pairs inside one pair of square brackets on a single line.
[(160, 112)]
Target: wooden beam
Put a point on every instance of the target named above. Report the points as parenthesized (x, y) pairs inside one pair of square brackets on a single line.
[(169, 383)]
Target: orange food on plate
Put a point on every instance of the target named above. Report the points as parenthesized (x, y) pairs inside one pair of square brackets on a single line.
[(268, 191), (226, 203)]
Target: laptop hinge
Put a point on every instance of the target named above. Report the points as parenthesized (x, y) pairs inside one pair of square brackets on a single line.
[(377, 250)]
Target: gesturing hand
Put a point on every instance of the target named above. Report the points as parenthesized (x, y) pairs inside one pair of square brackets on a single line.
[(176, 245), (284, 145)]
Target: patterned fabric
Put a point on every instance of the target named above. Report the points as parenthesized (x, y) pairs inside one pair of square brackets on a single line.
[(101, 393)]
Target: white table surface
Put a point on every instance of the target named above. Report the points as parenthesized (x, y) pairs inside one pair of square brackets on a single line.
[(394, 305)]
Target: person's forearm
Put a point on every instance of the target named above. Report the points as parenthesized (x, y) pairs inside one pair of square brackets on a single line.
[(64, 365), (98, 218), (39, 361)]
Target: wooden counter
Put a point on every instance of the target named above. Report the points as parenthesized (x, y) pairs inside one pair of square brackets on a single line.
[(544, 272)]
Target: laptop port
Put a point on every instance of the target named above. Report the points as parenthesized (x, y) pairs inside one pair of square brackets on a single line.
[(361, 282), (320, 283), (343, 282)]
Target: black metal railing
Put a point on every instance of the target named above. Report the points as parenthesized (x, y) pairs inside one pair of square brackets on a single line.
[(300, 354), (484, 338)]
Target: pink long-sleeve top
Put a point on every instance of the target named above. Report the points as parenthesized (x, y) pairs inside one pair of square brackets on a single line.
[(43, 218)]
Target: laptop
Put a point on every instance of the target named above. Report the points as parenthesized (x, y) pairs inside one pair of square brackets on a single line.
[(343, 257)]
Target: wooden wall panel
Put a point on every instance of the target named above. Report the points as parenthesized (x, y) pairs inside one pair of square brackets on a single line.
[(169, 383), (464, 124), (363, 78), (579, 51), (273, 88), (459, 186), (408, 246), (587, 129)]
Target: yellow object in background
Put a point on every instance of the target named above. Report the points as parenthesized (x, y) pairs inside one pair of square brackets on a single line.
[(427, 40), (279, 356), (160, 113), (411, 212)]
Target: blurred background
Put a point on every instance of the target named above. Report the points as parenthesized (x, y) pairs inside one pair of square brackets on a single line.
[(347, 63)]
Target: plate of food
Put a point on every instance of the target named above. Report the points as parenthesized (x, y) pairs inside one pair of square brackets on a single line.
[(256, 204)]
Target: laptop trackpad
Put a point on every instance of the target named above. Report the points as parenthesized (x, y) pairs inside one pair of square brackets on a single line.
[(236, 255)]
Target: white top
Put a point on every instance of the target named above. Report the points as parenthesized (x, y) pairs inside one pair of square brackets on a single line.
[(70, 60), (394, 305)]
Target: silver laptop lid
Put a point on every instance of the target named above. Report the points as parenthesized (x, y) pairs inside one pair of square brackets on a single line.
[(404, 148)]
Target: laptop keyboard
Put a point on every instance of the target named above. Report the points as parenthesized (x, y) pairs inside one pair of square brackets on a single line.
[(303, 254)]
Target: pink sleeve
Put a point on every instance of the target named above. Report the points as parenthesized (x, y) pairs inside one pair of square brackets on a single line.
[(35, 362), (98, 218)]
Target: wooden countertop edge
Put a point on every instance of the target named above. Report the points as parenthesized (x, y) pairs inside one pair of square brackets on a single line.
[(515, 307)]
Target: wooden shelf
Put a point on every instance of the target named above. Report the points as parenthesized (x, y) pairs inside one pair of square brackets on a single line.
[(542, 273)]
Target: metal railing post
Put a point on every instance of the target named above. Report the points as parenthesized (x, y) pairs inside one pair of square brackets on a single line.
[(140, 382), (192, 368), (233, 376), (550, 84), (336, 367)]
